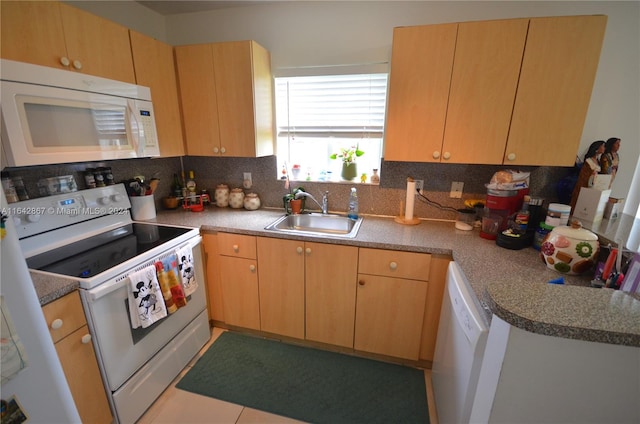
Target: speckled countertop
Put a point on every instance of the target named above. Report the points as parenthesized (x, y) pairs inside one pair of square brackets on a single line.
[(509, 283)]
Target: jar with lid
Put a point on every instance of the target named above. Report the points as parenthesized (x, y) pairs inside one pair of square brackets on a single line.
[(236, 198), (8, 188), (108, 176), (99, 177), (21, 190), (222, 195), (251, 202), (89, 179)]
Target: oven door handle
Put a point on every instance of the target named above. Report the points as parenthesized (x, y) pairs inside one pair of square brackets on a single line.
[(105, 289), (112, 286)]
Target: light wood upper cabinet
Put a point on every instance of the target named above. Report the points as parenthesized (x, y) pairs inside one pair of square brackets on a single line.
[(483, 89), (226, 91), (421, 64), (57, 35), (558, 71), (70, 333), (518, 92), (154, 67)]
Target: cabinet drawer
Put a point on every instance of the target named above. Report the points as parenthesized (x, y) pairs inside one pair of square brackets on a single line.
[(64, 316), (237, 245), (390, 263)]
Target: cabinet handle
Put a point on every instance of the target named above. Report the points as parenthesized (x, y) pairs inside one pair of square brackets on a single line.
[(446, 156), (308, 250), (236, 248), (252, 268), (361, 282), (64, 61), (436, 154), (223, 150), (86, 339), (216, 150), (299, 249), (77, 64), (511, 156), (393, 265), (56, 324)]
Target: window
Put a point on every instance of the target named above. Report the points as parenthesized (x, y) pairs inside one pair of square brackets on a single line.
[(318, 115)]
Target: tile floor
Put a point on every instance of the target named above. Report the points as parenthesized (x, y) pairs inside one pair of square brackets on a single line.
[(178, 406)]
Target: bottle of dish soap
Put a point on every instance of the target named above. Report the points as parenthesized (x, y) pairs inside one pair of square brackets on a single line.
[(353, 204)]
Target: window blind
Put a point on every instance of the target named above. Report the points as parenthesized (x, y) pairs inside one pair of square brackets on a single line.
[(345, 106)]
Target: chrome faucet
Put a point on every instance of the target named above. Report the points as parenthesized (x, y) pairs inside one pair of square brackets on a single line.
[(324, 207)]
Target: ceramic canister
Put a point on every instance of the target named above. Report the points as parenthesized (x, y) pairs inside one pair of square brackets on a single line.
[(571, 249), (236, 198), (251, 201), (222, 195)]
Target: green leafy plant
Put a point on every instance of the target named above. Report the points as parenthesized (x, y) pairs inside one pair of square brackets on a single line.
[(349, 155)]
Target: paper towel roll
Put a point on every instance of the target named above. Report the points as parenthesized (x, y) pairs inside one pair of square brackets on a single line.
[(411, 195)]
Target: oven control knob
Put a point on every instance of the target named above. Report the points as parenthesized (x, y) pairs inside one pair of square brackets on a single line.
[(33, 218), (104, 200), (116, 197), (16, 220)]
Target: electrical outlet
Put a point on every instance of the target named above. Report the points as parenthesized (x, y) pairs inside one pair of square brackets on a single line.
[(456, 190), (246, 182), (419, 186)]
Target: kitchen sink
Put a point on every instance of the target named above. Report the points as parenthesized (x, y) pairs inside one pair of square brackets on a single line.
[(317, 224)]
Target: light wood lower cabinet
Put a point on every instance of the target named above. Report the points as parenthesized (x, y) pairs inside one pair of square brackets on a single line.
[(68, 328), (239, 280), (392, 292), (372, 300)]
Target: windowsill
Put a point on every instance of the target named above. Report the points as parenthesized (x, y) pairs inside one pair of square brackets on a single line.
[(355, 181)]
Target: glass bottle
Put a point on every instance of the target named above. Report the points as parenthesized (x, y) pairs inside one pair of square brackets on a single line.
[(176, 187), (191, 188), (375, 178)]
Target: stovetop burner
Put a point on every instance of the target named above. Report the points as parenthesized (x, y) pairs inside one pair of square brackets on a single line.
[(94, 255)]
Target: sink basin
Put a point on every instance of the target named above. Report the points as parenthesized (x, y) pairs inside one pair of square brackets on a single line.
[(317, 224)]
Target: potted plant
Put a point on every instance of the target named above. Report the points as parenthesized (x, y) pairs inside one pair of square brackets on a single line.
[(348, 156), (291, 204)]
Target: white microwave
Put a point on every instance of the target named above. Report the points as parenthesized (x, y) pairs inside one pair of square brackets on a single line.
[(54, 116)]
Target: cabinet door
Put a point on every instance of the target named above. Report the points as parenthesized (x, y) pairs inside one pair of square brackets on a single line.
[(240, 287), (101, 46), (214, 283), (389, 315), (154, 66), (198, 98), (330, 292), (433, 307), (421, 64), (80, 367), (558, 71), (64, 316), (483, 88), (238, 65), (32, 32), (281, 280)]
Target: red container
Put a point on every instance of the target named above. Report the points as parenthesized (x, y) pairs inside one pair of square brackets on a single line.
[(505, 203)]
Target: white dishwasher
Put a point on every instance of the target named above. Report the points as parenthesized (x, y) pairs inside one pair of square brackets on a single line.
[(462, 336)]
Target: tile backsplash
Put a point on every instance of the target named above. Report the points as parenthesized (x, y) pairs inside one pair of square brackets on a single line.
[(383, 199)]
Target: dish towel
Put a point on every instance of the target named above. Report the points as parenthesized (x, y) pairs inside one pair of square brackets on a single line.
[(146, 304), (187, 272)]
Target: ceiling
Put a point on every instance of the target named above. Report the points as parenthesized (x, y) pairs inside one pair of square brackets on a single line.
[(174, 7)]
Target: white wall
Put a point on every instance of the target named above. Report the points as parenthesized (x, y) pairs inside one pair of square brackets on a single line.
[(320, 33)]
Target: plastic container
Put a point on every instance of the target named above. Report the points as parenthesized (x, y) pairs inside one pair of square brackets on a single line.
[(540, 234), (353, 204), (557, 214), (466, 219)]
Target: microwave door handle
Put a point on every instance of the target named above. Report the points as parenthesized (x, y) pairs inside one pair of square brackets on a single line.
[(136, 129)]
